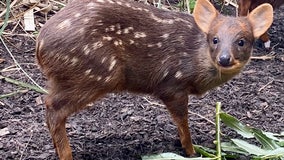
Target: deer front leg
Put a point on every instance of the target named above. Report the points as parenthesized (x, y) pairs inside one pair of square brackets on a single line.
[(177, 106)]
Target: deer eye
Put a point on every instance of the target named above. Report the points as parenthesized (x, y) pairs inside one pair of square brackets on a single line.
[(241, 43), (215, 40)]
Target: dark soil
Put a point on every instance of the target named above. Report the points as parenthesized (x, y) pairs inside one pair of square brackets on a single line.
[(126, 126)]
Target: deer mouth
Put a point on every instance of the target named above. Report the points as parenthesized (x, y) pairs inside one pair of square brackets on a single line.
[(235, 67)]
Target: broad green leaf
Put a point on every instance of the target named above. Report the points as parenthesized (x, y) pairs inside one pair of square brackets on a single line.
[(250, 148), (208, 152), (276, 137), (231, 147), (171, 156), (235, 124), (266, 142), (277, 151)]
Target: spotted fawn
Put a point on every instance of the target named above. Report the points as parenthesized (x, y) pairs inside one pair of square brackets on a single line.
[(94, 47)]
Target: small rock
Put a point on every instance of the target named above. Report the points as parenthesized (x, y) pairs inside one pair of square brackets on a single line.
[(4, 131)]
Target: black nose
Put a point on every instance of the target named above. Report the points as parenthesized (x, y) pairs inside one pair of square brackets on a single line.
[(224, 60)]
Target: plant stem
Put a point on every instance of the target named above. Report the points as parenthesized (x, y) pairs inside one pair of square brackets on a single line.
[(22, 84), (218, 132), (6, 17)]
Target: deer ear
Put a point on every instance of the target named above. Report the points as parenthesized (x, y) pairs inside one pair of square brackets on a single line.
[(204, 13), (261, 19)]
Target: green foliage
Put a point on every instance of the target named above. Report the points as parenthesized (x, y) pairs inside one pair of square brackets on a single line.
[(6, 17), (269, 146), (186, 5)]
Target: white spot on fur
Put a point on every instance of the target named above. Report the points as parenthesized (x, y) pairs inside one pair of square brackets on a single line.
[(94, 31), (127, 5), (86, 49), (91, 76), (107, 79), (73, 49), (146, 10), (91, 5), (66, 57), (165, 73), (159, 20), (87, 72), (164, 60), (159, 44), (120, 42), (81, 30), (112, 28), (77, 15), (131, 41), (74, 60), (99, 23), (119, 3), (110, 1), (99, 78), (108, 38), (139, 35), (86, 20), (65, 24), (178, 74), (101, 1), (103, 60), (118, 32), (112, 63), (166, 35), (127, 30), (116, 43), (97, 45)]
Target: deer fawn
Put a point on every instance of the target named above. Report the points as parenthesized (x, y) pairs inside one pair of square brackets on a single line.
[(246, 6), (94, 47)]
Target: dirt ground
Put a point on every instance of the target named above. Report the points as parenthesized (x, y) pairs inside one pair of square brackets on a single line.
[(126, 126)]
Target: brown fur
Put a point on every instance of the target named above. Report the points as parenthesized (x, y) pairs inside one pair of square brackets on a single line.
[(246, 6), (95, 47)]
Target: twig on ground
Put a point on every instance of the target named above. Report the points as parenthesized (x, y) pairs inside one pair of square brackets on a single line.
[(265, 57), (26, 146), (260, 89), (158, 104), (12, 94)]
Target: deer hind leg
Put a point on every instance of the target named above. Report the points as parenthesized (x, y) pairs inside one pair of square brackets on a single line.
[(56, 120), (59, 106), (244, 7), (177, 106)]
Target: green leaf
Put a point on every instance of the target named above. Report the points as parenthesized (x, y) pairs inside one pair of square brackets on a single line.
[(250, 148), (266, 142), (278, 152), (236, 125), (231, 147), (171, 156), (276, 137)]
